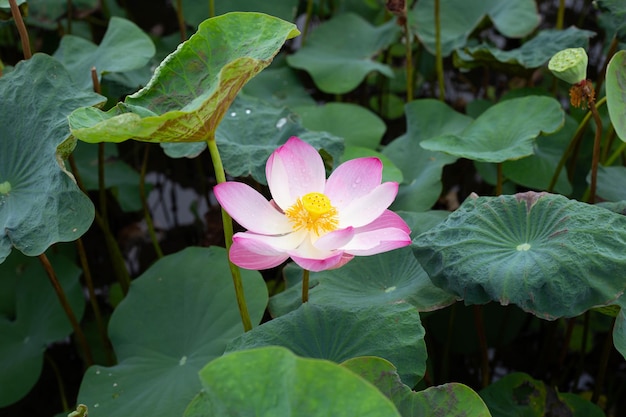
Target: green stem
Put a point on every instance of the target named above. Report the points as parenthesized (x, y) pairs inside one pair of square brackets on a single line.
[(220, 176), (21, 28), (500, 178), (181, 20), (305, 286), (482, 341), (59, 378), (621, 148), (119, 265), (560, 15), (596, 151), (307, 21), (604, 361), (144, 202), (438, 55), (80, 336), (106, 343), (409, 60), (211, 8)]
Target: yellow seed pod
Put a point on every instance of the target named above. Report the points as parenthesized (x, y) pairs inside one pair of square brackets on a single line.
[(570, 65)]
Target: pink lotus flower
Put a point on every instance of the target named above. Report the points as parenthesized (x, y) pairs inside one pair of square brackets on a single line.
[(320, 224)]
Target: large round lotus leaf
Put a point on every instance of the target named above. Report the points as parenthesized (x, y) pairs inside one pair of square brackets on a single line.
[(450, 400), (532, 54), (518, 394), (357, 125), (124, 47), (273, 382), (392, 331), (32, 318), (459, 18), (384, 279), (616, 93), (340, 52), (551, 256), (610, 183), (422, 168), (177, 316), (502, 132), (40, 203), (193, 87), (280, 87)]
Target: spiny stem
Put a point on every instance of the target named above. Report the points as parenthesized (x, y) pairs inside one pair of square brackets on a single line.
[(21, 28), (144, 202), (220, 176), (106, 343), (305, 286), (438, 55), (80, 336)]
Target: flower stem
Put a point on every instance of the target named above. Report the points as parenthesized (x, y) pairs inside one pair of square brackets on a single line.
[(21, 28), (305, 286), (47, 266), (181, 20), (220, 176), (438, 56), (596, 151), (144, 202)]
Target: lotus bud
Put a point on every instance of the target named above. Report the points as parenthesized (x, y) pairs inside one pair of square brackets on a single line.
[(570, 65)]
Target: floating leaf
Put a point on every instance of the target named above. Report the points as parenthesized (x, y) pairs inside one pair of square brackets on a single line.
[(337, 334), (40, 203), (193, 87), (616, 93), (551, 256), (357, 125), (33, 320), (272, 381), (459, 18), (124, 47), (338, 54), (517, 394), (421, 168), (384, 279), (172, 322), (532, 54), (450, 400), (502, 132)]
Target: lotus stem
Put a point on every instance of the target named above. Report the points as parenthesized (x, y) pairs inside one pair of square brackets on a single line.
[(82, 255), (596, 151), (211, 8), (620, 149), (409, 60), (69, 16), (438, 55), (227, 222), (305, 286), (59, 378), (144, 203), (80, 336), (21, 28), (560, 15), (307, 21), (500, 178), (181, 20), (604, 362)]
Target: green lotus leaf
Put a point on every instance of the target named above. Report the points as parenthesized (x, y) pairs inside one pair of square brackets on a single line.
[(502, 132), (517, 394), (40, 203), (450, 400), (251, 130), (619, 333), (551, 256), (357, 125), (279, 87), (610, 183), (339, 53), (32, 318), (172, 322), (5, 10), (392, 331), (422, 168), (384, 279), (124, 47), (196, 11), (616, 93), (272, 381), (459, 18), (193, 87), (532, 54)]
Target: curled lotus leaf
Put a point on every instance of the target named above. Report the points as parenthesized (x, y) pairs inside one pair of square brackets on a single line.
[(551, 256)]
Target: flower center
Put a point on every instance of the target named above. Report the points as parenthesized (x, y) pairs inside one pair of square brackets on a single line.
[(313, 212)]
